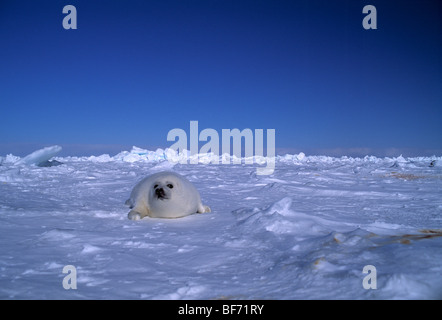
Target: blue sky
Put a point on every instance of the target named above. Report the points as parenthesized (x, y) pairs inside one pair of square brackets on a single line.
[(133, 70)]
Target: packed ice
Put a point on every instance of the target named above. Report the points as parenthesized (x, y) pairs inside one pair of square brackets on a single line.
[(307, 231)]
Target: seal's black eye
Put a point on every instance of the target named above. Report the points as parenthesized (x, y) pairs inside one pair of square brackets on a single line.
[(170, 186), (155, 186)]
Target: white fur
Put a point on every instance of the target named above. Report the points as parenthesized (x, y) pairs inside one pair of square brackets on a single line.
[(181, 200)]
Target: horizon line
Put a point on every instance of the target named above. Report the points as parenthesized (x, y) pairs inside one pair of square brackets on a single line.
[(76, 149)]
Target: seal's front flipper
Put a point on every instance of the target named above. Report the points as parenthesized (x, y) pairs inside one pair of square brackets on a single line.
[(133, 215), (203, 209)]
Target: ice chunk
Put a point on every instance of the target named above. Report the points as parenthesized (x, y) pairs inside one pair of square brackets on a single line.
[(40, 156), (139, 151), (138, 154), (100, 159), (10, 159)]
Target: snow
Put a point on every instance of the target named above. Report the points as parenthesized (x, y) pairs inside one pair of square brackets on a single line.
[(304, 232)]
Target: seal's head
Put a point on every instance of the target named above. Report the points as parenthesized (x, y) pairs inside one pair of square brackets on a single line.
[(169, 194), (163, 188)]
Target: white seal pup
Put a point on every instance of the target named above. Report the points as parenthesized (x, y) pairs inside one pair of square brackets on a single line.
[(164, 195)]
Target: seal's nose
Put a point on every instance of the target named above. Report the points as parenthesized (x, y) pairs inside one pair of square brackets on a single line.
[(160, 192)]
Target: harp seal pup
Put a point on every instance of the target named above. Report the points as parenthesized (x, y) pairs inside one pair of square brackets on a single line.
[(164, 195)]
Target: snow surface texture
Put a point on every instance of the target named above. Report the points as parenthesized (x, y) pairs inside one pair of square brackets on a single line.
[(305, 232)]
